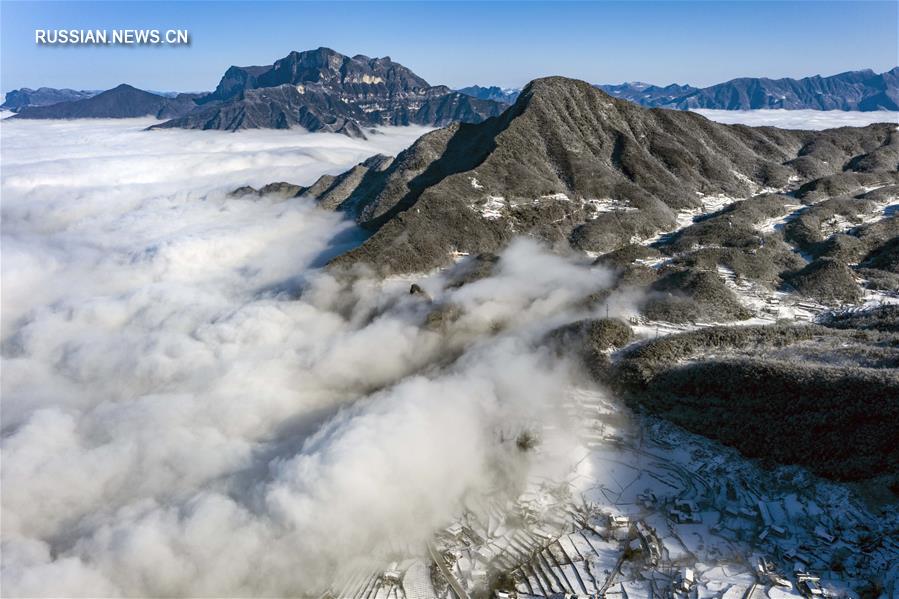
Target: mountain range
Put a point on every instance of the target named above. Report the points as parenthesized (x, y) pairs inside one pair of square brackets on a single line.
[(853, 90), (506, 95), (323, 90), (123, 101), (647, 94), (701, 223), (570, 164), (43, 96), (319, 90)]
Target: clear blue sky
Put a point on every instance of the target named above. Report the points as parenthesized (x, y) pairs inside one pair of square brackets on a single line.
[(459, 43)]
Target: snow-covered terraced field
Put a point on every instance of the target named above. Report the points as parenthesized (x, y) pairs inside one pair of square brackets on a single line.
[(644, 513)]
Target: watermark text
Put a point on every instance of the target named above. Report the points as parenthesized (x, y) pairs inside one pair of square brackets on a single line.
[(109, 37)]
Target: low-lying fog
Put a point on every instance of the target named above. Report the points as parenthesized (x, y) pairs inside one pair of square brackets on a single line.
[(800, 119), (178, 420)]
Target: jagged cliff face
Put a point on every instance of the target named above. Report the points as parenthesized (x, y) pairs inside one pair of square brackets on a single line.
[(573, 166), (323, 90), (357, 76)]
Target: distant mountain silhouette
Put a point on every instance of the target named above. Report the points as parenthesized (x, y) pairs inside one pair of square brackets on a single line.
[(647, 94), (119, 102), (497, 94), (18, 99), (854, 90)]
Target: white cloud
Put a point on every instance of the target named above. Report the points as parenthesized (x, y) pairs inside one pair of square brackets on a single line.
[(178, 420), (800, 119)]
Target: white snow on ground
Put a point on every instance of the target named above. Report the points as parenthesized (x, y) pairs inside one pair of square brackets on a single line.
[(559, 197), (698, 520), (491, 207), (767, 305), (598, 206), (776, 223), (800, 119), (685, 218), (877, 211)]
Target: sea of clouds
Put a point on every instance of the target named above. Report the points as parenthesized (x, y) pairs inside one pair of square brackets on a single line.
[(799, 119), (192, 406)]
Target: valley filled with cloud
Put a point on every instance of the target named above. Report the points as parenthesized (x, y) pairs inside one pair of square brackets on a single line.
[(192, 406)]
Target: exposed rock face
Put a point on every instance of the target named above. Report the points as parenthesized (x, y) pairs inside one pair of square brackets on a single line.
[(123, 101), (18, 99), (344, 76), (571, 165), (318, 90), (322, 90), (854, 90)]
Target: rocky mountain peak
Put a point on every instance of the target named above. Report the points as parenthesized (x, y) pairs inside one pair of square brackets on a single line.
[(122, 101), (323, 90), (124, 88), (324, 67), (572, 165), (561, 94)]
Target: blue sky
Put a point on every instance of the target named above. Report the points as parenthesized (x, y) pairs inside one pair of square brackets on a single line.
[(458, 43)]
